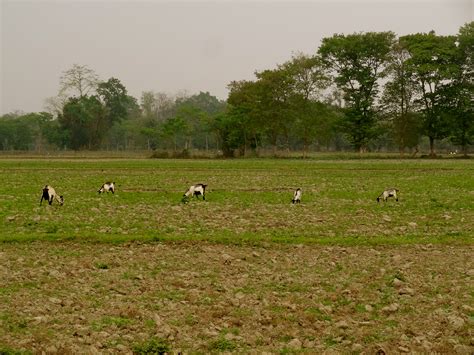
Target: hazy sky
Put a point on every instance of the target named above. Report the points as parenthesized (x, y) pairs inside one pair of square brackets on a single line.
[(171, 46)]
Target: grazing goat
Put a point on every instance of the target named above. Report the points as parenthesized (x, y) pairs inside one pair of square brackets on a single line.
[(108, 186), (195, 190), (391, 192), (297, 196), (50, 194)]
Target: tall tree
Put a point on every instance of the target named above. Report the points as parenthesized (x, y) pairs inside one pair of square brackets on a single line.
[(242, 118), (83, 119), (273, 104), (116, 100), (80, 81), (460, 94), (357, 62), (431, 66), (311, 118), (398, 101)]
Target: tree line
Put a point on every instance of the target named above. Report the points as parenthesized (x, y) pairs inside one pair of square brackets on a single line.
[(362, 91)]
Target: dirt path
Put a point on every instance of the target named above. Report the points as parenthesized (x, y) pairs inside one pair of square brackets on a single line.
[(99, 298)]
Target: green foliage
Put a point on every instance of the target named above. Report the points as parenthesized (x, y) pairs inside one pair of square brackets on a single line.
[(32, 131), (102, 266), (398, 101), (459, 95), (358, 62), (329, 100), (431, 66), (85, 121), (222, 344), (116, 101), (152, 346)]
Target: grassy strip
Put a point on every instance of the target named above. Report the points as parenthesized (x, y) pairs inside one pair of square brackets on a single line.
[(242, 239)]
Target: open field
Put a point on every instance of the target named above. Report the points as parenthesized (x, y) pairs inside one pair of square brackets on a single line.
[(244, 271), (248, 200)]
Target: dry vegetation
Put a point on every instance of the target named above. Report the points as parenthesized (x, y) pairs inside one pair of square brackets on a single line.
[(89, 298)]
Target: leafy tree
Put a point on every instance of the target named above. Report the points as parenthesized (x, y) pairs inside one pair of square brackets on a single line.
[(84, 119), (230, 129), (398, 101), (357, 62), (273, 104), (242, 117), (87, 119), (460, 93), (174, 130), (116, 100), (311, 118), (199, 112), (431, 66), (25, 131)]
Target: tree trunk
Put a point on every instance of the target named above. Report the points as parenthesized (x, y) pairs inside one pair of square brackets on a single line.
[(432, 151), (401, 149)]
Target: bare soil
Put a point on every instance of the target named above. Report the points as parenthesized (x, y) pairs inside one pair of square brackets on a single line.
[(103, 298)]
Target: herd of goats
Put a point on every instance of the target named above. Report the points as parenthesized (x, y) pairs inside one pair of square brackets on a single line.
[(49, 194)]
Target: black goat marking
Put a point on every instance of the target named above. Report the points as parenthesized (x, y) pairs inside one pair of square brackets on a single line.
[(390, 192), (107, 187), (49, 194), (195, 191), (297, 196)]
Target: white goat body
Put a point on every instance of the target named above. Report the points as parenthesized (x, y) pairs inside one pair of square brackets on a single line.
[(49, 194), (297, 196), (391, 192), (108, 186), (196, 190)]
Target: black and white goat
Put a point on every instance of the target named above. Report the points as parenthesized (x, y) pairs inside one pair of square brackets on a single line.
[(50, 194), (195, 190), (297, 196), (108, 186), (391, 192)]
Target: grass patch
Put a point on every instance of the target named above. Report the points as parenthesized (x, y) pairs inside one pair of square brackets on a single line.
[(338, 204), (101, 266), (222, 344), (152, 346)]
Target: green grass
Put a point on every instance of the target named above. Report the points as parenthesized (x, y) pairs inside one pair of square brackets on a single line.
[(152, 346), (248, 201)]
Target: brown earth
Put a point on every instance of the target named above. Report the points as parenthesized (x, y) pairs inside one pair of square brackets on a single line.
[(103, 298)]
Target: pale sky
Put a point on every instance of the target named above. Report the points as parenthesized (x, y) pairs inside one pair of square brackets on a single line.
[(192, 46)]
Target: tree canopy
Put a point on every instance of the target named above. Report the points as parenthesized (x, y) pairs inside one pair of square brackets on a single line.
[(365, 91)]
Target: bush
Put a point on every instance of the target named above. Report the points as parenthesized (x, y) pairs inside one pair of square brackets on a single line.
[(160, 154)]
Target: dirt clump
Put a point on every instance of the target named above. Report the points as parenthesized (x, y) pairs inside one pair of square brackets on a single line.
[(67, 297)]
